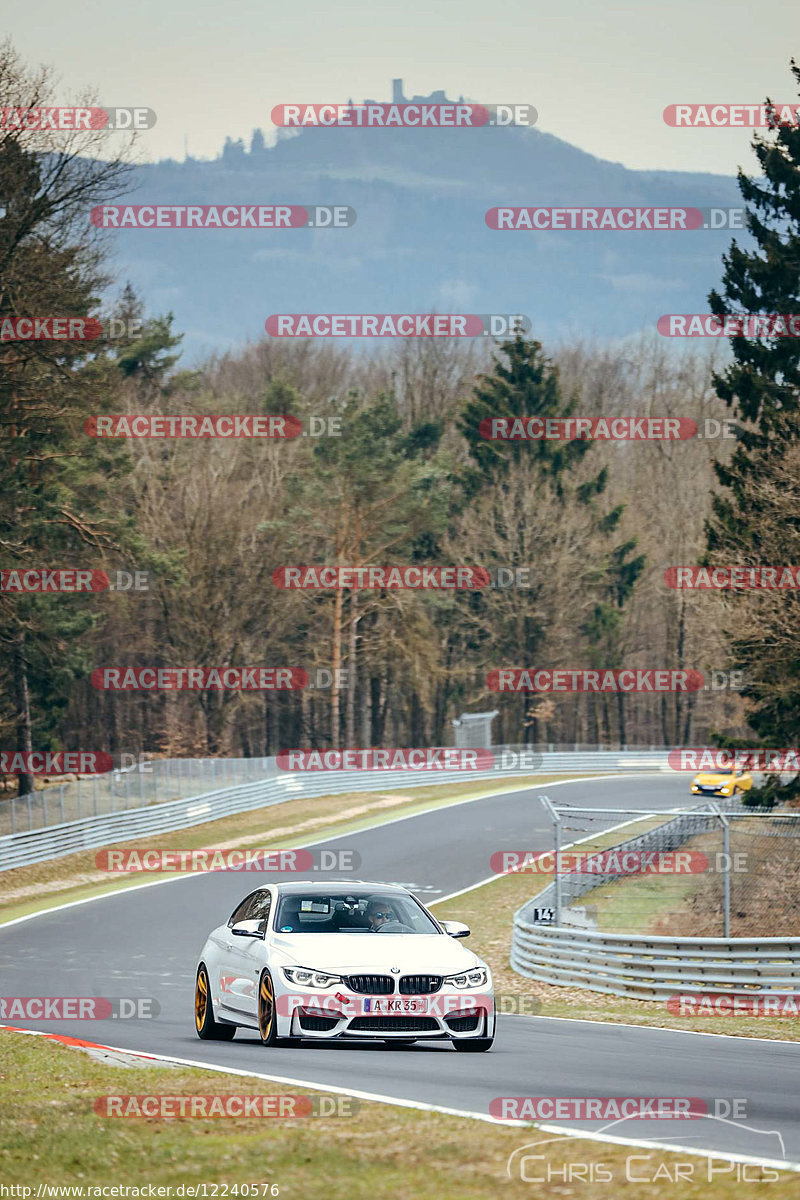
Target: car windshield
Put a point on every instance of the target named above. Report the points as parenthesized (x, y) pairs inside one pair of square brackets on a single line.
[(351, 912), (725, 771)]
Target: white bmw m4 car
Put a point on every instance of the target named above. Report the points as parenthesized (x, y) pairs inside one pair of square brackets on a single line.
[(342, 960)]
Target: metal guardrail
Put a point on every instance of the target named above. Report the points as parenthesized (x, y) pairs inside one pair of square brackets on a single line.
[(138, 786), (26, 846), (39, 845), (158, 780), (663, 838), (654, 968), (644, 966)]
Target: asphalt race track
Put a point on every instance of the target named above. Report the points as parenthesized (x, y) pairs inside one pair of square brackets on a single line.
[(145, 942)]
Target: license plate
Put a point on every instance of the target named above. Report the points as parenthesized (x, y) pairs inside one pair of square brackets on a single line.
[(395, 1005)]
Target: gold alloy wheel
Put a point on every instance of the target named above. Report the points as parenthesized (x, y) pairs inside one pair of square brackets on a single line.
[(201, 999), (266, 1007)]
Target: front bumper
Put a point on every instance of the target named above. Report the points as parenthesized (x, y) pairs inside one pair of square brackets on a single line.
[(455, 1019)]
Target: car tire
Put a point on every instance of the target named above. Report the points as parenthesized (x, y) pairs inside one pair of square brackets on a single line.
[(473, 1045), (205, 1024), (267, 1019)]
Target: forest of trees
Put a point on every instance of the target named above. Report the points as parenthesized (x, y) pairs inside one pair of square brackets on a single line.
[(408, 480)]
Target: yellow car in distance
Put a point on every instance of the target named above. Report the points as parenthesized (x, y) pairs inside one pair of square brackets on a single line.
[(725, 782)]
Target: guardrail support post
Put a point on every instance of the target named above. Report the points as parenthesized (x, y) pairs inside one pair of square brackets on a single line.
[(726, 869), (557, 879), (557, 864), (726, 878)]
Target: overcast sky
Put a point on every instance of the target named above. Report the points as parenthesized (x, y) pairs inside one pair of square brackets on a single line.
[(600, 74)]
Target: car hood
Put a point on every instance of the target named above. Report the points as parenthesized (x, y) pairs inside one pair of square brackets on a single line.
[(355, 953)]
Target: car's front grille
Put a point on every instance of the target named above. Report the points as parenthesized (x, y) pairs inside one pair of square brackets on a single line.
[(420, 985), (463, 1024), (394, 1024), (317, 1022), (371, 985)]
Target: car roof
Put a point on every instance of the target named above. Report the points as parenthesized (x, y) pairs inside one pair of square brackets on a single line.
[(346, 885)]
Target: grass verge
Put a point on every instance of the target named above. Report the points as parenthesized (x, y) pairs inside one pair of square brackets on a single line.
[(43, 885), (489, 910), (51, 1135), (765, 888)]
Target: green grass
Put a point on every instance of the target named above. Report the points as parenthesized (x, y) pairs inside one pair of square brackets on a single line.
[(489, 909), (27, 890), (50, 1134), (632, 905)]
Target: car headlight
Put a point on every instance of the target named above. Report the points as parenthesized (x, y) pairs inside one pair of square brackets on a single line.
[(726, 791), (308, 978), (477, 977)]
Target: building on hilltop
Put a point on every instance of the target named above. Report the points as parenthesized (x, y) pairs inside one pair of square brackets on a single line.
[(235, 155), (435, 97)]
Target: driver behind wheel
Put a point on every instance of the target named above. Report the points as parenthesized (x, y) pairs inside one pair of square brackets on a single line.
[(379, 913)]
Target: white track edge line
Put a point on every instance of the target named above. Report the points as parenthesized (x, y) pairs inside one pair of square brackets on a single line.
[(738, 1037), (743, 1037), (182, 877), (491, 878), (420, 1105)]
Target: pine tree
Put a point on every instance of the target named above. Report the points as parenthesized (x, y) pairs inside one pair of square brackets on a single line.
[(57, 500), (751, 523), (143, 353), (525, 384)]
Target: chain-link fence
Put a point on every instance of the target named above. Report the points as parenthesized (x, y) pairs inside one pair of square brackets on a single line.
[(154, 782), (732, 872), (160, 780), (764, 880)]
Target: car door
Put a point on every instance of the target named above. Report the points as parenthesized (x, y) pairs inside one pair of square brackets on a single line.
[(244, 957)]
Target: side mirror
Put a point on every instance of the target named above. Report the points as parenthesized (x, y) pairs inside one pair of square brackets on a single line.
[(255, 929), (456, 929)]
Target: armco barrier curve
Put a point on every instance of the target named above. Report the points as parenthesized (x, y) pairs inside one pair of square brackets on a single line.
[(653, 968), (643, 966), (665, 837), (37, 845)]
